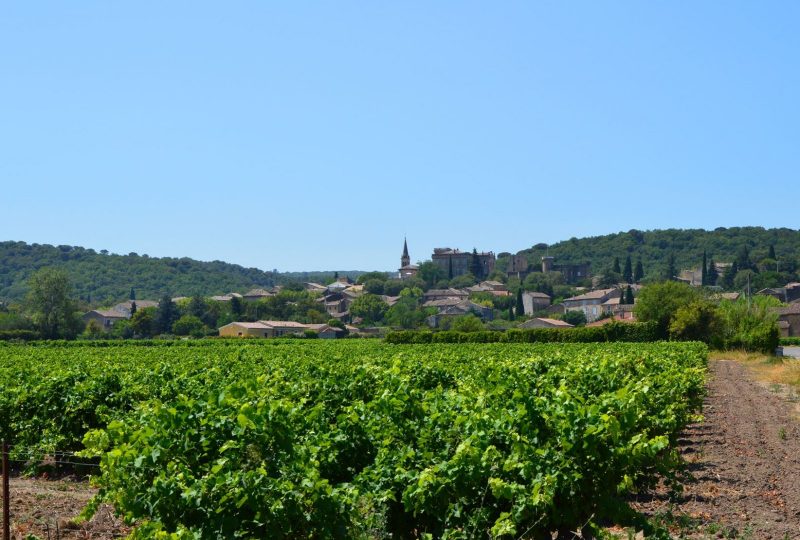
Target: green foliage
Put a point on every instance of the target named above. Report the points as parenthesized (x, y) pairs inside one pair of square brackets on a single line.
[(627, 273), (254, 440), (430, 273), (51, 307), (612, 332), (374, 286), (189, 325), (463, 281), (467, 323), (696, 321), (166, 315), (660, 302), (369, 307), (574, 317), (653, 247), (143, 322), (749, 325), (370, 276)]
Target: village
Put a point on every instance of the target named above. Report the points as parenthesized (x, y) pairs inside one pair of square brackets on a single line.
[(477, 296)]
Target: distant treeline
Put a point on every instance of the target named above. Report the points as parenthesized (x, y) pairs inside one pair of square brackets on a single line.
[(102, 278), (654, 249)]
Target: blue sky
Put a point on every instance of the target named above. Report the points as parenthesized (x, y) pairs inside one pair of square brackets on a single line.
[(305, 136)]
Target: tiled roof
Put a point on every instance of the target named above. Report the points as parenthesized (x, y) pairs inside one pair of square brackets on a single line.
[(109, 313), (531, 323), (593, 295), (284, 324)]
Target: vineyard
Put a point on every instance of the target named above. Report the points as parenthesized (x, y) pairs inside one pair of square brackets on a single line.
[(354, 439)]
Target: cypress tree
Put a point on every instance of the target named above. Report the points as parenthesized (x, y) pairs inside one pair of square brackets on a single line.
[(704, 270), (627, 274), (520, 304), (133, 294), (729, 275), (638, 274), (671, 270), (772, 253), (133, 308), (616, 267), (629, 296), (510, 312), (475, 265), (712, 276)]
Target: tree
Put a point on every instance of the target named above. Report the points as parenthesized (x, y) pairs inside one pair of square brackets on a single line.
[(629, 300), (133, 308), (143, 323), (729, 275), (374, 286), (638, 274), (615, 268), (197, 306), (467, 323), (772, 253), (712, 276), (369, 276), (704, 270), (743, 258), (166, 315), (189, 325), (696, 321), (574, 317), (463, 281), (627, 273), (430, 273), (236, 307), (132, 295), (660, 302), (369, 307), (520, 309), (510, 312), (475, 265), (671, 270), (51, 308)]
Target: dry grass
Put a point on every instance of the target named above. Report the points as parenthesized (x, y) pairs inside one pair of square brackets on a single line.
[(766, 368)]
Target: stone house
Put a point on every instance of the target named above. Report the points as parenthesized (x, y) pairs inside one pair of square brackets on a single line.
[(591, 303), (105, 318), (454, 262), (789, 319), (535, 301), (542, 322)]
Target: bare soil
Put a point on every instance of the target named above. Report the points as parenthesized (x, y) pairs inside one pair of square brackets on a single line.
[(743, 463), (49, 508)]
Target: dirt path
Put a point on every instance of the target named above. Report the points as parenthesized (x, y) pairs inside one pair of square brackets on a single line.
[(744, 462), (47, 508)]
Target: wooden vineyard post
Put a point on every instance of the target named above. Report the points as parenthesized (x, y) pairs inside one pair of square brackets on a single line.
[(6, 506)]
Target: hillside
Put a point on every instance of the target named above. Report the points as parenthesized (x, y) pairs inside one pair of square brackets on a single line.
[(106, 278), (654, 247)]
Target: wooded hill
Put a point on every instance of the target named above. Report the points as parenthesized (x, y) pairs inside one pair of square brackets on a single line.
[(687, 245), (106, 278)]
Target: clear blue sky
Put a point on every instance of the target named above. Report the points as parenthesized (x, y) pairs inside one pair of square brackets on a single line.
[(304, 136)]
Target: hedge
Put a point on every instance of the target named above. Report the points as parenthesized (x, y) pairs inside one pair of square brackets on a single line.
[(630, 332), (791, 341), (18, 335)]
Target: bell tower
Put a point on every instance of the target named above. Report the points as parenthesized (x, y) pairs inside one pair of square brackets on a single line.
[(405, 260)]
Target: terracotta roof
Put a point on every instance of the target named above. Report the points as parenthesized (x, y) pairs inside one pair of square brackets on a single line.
[(258, 292), (442, 302), (791, 309), (536, 294), (140, 304), (258, 324), (552, 322), (285, 324), (593, 295), (108, 313)]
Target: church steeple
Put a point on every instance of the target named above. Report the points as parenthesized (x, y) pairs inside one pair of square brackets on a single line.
[(405, 260)]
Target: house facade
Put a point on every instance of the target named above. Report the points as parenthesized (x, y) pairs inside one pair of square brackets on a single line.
[(454, 262), (591, 303)]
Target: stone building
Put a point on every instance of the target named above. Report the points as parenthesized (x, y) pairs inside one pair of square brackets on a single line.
[(406, 270), (455, 262)]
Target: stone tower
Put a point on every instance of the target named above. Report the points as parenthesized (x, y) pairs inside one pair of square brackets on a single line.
[(405, 260)]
